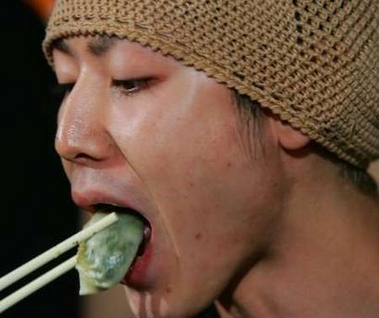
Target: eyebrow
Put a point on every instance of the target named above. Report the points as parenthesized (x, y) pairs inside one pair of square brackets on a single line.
[(100, 45), (96, 46)]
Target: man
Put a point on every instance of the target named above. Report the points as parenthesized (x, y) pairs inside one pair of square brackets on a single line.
[(241, 132)]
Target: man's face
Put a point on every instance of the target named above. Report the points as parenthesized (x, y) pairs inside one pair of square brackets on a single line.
[(142, 131)]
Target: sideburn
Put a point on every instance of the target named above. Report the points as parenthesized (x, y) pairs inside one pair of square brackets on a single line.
[(251, 121)]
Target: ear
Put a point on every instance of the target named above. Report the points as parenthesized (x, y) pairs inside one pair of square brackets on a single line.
[(289, 137)]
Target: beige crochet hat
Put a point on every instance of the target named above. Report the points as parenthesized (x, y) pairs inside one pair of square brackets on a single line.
[(315, 63)]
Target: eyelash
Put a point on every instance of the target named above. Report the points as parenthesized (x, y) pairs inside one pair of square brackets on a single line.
[(132, 86)]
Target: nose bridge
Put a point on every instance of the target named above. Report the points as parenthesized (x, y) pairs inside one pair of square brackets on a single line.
[(81, 131)]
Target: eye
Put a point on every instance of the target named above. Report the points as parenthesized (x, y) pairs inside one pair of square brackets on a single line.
[(132, 86)]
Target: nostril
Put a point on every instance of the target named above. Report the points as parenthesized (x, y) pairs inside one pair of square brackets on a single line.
[(83, 158)]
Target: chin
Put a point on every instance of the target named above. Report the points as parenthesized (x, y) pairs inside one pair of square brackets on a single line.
[(147, 305)]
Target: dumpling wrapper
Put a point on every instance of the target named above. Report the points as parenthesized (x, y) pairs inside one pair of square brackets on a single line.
[(104, 259)]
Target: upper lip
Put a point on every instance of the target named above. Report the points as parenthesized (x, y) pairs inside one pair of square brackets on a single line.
[(91, 200)]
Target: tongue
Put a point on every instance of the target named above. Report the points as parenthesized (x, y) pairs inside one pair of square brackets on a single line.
[(104, 259)]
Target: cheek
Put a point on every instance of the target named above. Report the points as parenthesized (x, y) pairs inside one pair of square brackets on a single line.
[(205, 188), (187, 150), (178, 135), (206, 191)]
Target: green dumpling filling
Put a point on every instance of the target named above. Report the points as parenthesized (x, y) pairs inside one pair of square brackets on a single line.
[(104, 259)]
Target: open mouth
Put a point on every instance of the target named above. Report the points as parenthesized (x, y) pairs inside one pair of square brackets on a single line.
[(107, 257)]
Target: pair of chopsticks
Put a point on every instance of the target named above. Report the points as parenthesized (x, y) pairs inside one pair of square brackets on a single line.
[(46, 257)]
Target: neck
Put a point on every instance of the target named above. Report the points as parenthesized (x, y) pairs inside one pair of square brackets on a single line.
[(324, 260)]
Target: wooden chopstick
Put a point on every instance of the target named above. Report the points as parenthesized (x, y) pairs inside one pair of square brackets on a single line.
[(46, 257)]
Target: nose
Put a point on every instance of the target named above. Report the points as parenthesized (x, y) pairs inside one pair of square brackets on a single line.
[(81, 134)]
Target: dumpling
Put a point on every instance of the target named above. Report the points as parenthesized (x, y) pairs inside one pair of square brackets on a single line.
[(104, 259)]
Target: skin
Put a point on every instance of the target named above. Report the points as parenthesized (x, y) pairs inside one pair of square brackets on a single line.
[(272, 233)]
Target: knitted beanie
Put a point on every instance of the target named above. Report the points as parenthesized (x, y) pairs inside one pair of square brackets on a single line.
[(315, 63)]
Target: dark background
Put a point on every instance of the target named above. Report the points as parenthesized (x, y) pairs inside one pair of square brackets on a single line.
[(36, 209)]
